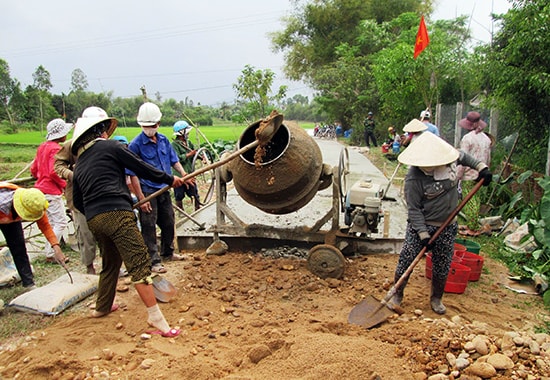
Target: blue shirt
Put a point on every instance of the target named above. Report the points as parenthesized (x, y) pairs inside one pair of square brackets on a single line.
[(160, 154), (432, 128)]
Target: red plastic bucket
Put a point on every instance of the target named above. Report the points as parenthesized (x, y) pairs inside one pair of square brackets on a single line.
[(475, 263), (460, 247), (457, 258), (385, 148), (457, 281)]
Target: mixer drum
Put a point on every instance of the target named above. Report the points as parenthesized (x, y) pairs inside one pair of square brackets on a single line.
[(286, 177)]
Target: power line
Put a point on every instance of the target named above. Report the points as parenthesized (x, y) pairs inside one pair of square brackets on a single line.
[(161, 33)]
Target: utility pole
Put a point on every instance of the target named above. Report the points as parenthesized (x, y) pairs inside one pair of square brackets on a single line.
[(144, 93)]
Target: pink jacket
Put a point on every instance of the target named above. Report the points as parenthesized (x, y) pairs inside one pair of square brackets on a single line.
[(43, 170)]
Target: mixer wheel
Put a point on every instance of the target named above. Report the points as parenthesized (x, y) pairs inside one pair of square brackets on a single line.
[(326, 261)]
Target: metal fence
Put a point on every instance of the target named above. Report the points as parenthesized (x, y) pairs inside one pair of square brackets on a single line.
[(448, 115)]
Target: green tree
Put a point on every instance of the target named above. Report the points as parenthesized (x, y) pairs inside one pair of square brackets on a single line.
[(79, 81), (406, 85), (42, 83), (8, 88), (253, 89), (518, 73), (313, 32), (330, 45)]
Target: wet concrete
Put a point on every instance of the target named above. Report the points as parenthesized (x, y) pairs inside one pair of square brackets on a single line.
[(257, 229)]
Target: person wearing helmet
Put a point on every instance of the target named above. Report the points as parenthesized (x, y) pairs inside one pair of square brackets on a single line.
[(100, 193), (369, 130), (121, 139), (17, 205), (155, 149), (49, 182), (185, 150), (393, 136), (425, 117), (431, 195)]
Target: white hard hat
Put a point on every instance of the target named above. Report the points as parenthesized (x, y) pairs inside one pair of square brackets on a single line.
[(425, 114), (94, 112), (428, 150), (149, 114)]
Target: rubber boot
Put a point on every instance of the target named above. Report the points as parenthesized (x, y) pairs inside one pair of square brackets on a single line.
[(398, 296), (438, 286), (179, 204), (197, 203)]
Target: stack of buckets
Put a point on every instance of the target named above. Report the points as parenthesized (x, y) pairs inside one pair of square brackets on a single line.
[(466, 266)]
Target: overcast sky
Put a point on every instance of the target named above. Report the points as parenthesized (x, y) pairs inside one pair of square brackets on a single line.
[(193, 49)]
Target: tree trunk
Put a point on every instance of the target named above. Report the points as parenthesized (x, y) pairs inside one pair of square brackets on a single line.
[(547, 171)]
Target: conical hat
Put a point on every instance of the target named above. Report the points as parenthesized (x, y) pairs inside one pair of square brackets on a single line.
[(83, 124), (428, 150), (415, 125)]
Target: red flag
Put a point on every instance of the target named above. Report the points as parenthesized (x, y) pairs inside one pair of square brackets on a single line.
[(422, 38)]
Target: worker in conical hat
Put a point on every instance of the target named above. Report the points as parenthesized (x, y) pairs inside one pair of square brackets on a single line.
[(431, 194), (413, 129), (101, 194)]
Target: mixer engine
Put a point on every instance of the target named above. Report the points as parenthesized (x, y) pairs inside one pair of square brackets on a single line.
[(363, 207)]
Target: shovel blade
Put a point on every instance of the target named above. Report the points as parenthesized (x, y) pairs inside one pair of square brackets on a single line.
[(163, 289), (369, 313)]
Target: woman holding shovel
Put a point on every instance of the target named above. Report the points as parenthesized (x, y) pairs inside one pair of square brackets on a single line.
[(100, 193), (432, 195)]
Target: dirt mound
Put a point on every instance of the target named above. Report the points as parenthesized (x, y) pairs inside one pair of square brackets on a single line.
[(247, 316)]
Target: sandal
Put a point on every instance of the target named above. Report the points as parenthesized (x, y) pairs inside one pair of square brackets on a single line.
[(172, 333), (158, 268), (99, 314)]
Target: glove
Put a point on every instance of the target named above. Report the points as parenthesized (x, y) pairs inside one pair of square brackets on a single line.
[(486, 175), (424, 240)]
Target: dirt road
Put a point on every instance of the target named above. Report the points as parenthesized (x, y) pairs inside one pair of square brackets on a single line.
[(262, 315)]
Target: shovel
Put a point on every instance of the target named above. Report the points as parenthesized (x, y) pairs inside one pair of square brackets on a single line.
[(371, 312), (385, 196), (268, 127), (163, 289)]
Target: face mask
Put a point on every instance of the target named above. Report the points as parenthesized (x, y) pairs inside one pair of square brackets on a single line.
[(149, 132)]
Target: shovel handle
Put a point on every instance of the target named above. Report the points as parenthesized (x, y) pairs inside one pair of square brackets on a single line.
[(418, 257)]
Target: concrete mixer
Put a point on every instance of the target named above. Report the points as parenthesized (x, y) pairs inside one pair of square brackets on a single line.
[(280, 179)]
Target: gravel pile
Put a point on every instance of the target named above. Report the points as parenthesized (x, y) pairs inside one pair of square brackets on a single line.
[(457, 349)]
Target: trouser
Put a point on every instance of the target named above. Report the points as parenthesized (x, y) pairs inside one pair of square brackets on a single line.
[(370, 135), (15, 239), (162, 214), (119, 241), (58, 219), (191, 191), (442, 251), (85, 238)]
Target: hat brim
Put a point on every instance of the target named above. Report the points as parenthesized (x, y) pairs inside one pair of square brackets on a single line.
[(21, 210), (83, 124), (468, 125), (59, 134), (428, 150), (415, 125)]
